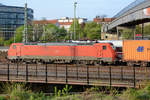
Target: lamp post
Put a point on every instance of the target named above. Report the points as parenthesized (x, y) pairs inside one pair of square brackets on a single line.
[(75, 3), (25, 39)]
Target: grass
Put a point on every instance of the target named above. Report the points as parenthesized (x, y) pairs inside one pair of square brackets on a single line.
[(112, 94), (18, 91)]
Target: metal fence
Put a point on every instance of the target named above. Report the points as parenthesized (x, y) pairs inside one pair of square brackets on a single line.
[(75, 74)]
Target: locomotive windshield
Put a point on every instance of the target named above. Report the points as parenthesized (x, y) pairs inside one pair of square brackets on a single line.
[(112, 46)]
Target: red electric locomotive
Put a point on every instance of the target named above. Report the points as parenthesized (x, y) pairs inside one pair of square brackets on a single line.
[(63, 52)]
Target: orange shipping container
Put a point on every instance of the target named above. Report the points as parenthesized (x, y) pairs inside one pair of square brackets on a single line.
[(136, 50)]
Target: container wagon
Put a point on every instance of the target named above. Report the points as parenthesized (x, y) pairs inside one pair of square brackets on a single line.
[(136, 52)]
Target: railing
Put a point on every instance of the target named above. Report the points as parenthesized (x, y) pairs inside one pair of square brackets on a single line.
[(118, 76)]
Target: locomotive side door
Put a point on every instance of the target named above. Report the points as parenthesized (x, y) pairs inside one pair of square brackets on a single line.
[(104, 51)]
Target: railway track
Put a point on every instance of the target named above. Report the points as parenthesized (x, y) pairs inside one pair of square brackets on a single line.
[(118, 76)]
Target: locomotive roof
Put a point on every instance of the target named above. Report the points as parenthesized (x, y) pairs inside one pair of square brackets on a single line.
[(59, 44)]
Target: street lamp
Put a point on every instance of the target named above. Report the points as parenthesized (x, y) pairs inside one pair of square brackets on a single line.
[(25, 23), (75, 3)]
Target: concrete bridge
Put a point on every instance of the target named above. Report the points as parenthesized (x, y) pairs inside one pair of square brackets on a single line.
[(136, 13)]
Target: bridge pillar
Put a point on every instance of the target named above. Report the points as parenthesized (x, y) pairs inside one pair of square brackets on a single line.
[(117, 33)]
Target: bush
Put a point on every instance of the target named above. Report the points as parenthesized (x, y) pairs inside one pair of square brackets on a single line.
[(18, 91), (2, 98)]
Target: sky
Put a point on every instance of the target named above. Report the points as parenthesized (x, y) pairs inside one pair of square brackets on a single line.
[(55, 9)]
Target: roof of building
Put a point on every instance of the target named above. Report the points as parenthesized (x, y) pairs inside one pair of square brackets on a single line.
[(103, 19), (65, 23), (55, 21)]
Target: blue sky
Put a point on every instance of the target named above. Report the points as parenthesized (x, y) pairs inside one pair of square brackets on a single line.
[(54, 9)]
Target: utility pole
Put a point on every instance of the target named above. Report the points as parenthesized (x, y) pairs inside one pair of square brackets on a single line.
[(25, 38), (75, 3)]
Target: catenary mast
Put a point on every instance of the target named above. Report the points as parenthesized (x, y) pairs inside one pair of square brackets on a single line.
[(25, 38)]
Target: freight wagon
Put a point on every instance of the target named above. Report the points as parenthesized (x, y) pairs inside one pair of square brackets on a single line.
[(136, 52), (95, 53)]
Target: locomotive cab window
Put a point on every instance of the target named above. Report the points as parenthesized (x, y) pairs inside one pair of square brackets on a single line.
[(104, 47), (14, 46), (112, 46)]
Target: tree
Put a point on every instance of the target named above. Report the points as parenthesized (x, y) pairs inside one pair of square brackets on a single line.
[(1, 41), (61, 35), (52, 33), (138, 29), (147, 30), (1, 37), (37, 32), (78, 30), (20, 32), (46, 33), (127, 34), (92, 31), (49, 33), (18, 36)]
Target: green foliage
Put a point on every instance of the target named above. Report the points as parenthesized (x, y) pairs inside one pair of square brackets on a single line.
[(18, 91), (63, 92), (138, 30), (19, 33), (18, 36), (8, 42), (37, 32), (66, 90), (78, 30), (92, 31), (127, 34), (147, 30), (57, 93), (49, 32), (2, 98), (61, 35), (52, 33), (46, 33), (95, 94), (1, 41)]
